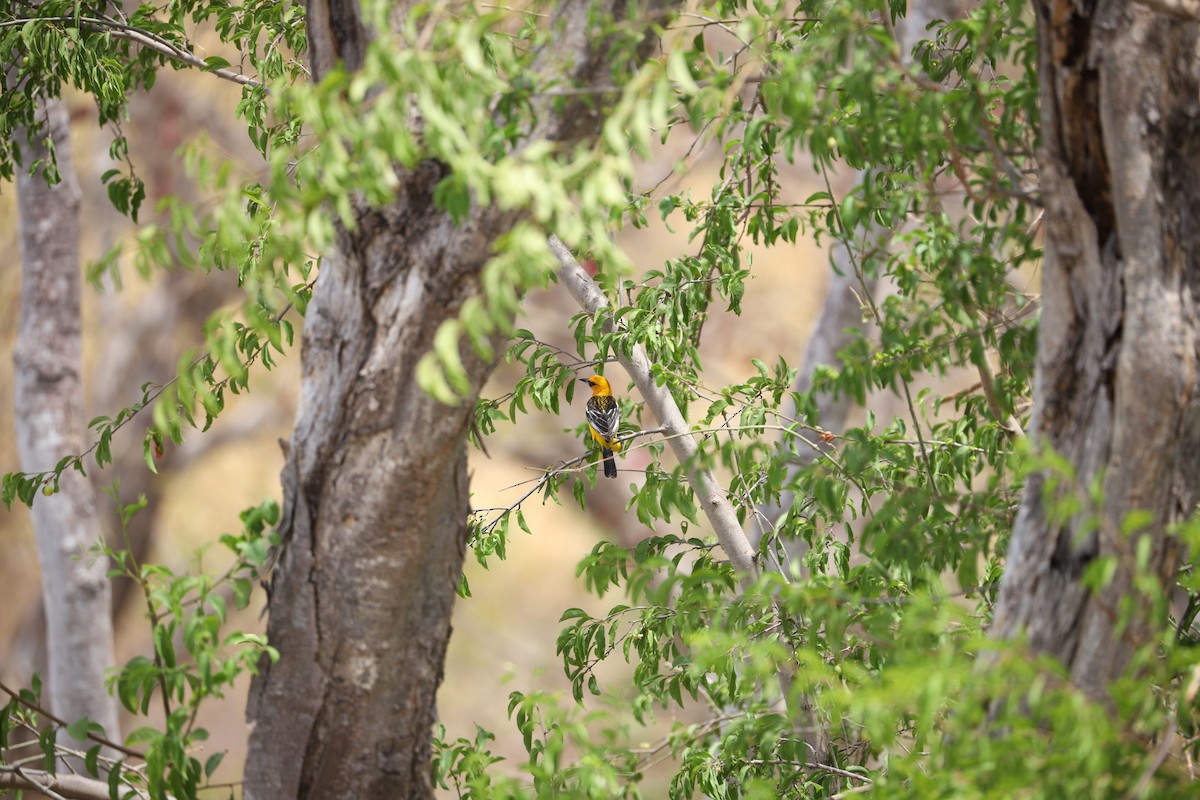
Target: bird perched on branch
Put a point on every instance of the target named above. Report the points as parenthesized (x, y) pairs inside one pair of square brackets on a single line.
[(604, 417)]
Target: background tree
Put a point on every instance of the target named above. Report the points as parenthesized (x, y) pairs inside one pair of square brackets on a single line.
[(50, 424)]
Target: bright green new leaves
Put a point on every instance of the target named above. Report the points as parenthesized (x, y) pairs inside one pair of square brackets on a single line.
[(193, 659)]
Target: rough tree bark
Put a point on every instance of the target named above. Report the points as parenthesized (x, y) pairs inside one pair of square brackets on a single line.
[(50, 425), (1117, 355), (375, 484)]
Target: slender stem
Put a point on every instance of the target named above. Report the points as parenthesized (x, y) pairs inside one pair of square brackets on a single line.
[(869, 300), (152, 612), (95, 737)]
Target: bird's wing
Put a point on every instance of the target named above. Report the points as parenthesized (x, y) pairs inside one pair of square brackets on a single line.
[(604, 416)]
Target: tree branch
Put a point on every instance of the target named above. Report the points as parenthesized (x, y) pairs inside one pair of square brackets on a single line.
[(69, 787), (146, 39), (62, 723), (712, 498)]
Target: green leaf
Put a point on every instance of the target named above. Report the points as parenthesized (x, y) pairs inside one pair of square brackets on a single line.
[(143, 735), (91, 761), (432, 380), (446, 345), (214, 761), (213, 63), (78, 730)]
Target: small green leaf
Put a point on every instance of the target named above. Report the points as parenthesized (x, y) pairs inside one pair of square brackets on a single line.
[(78, 730), (214, 761)]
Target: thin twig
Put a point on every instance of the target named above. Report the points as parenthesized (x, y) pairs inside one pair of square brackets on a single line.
[(562, 468), (869, 300), (64, 724)]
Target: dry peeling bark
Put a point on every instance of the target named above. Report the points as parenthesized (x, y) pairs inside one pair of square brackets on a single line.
[(1115, 387), (375, 484)]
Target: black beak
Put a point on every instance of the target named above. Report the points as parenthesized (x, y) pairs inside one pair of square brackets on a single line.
[(584, 380)]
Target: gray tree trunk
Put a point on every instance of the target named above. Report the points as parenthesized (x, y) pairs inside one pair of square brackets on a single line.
[(375, 484), (1115, 387), (50, 425)]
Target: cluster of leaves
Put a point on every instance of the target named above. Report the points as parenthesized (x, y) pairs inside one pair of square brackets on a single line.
[(34, 739), (192, 660), (911, 713), (190, 610), (111, 56)]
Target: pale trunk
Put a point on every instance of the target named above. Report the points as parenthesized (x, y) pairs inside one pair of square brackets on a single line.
[(50, 425)]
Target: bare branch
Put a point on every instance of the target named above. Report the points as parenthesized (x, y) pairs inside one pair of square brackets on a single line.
[(68, 787)]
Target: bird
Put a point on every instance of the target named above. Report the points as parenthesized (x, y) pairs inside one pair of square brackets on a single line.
[(604, 417)]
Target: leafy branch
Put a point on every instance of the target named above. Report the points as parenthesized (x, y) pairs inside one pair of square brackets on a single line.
[(716, 507), (147, 39), (24, 485), (29, 700)]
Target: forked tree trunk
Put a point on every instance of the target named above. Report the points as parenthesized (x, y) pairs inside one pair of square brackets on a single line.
[(1115, 388), (50, 425), (375, 484)]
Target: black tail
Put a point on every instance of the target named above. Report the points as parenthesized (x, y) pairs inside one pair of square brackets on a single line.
[(610, 466)]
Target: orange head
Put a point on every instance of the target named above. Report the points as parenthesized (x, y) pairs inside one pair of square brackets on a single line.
[(599, 384)]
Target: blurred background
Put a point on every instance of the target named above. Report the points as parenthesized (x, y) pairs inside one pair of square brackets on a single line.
[(504, 635)]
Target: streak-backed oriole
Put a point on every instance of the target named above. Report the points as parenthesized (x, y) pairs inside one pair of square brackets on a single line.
[(604, 417)]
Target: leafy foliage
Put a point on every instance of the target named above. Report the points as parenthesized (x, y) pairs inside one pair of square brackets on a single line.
[(855, 659), (192, 660), (852, 661), (110, 57)]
